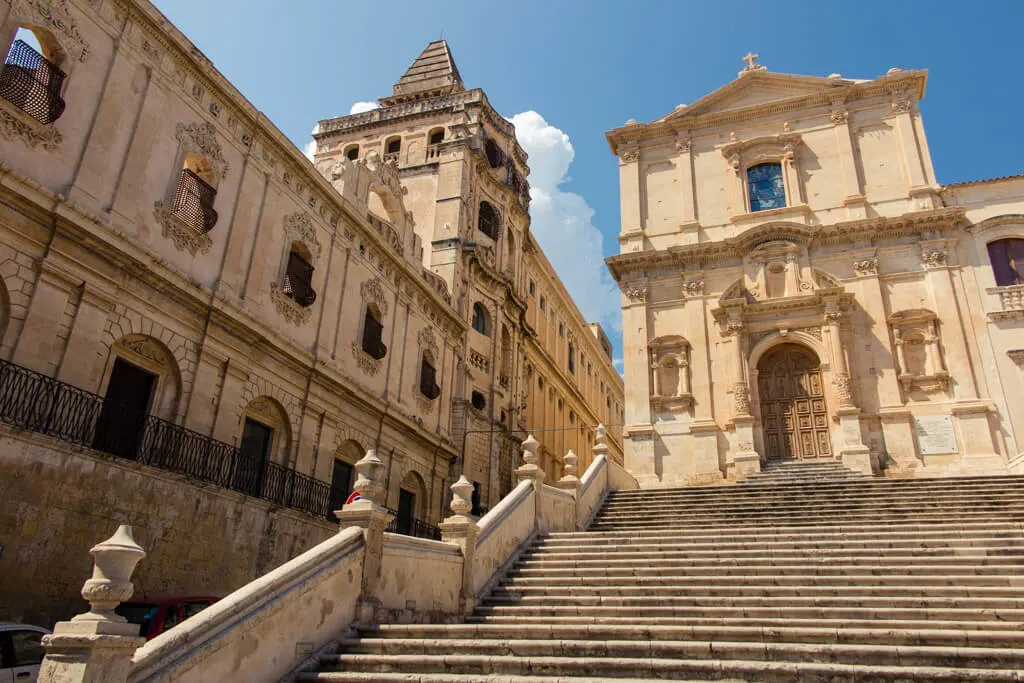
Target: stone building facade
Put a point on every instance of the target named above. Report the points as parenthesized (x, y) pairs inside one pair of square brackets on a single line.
[(797, 284), (200, 333), (531, 361)]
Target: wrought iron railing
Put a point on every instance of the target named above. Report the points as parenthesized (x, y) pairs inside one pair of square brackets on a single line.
[(412, 527), (37, 403), (193, 202), (298, 289), (32, 83)]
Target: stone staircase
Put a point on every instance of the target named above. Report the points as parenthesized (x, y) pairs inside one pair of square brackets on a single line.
[(805, 572)]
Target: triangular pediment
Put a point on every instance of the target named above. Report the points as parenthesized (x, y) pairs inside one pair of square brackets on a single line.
[(756, 89)]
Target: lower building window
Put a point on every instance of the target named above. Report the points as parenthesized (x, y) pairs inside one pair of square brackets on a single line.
[(32, 83)]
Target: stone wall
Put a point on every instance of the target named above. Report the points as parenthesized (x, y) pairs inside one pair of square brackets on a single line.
[(200, 540)]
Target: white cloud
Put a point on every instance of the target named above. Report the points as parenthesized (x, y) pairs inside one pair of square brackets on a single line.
[(309, 149), (561, 221), (360, 107)]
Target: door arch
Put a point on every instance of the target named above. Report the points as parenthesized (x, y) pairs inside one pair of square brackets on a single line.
[(794, 416)]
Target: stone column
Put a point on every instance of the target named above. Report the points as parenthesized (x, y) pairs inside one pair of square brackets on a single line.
[(742, 460), (655, 378), (461, 530), (97, 647), (854, 194), (367, 513), (792, 275), (853, 452), (688, 224)]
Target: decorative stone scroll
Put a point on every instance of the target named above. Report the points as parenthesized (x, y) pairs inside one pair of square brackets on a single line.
[(298, 227), (373, 292), (636, 292), (934, 258), (182, 236), (365, 361), (14, 127), (201, 138)]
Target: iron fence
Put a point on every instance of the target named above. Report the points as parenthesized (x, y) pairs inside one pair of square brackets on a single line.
[(32, 83), (412, 527), (34, 402)]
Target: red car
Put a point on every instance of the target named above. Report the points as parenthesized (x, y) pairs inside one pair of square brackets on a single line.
[(156, 616)]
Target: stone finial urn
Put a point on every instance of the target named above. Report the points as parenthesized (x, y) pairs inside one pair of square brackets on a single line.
[(114, 561), (369, 484), (570, 461), (530, 446), (601, 434), (462, 496)]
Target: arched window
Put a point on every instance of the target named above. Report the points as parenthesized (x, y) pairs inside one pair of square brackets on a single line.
[(195, 194), (31, 78), (436, 136), (373, 333), (297, 283), (393, 145), (765, 187), (428, 377), (495, 157), (478, 401), (481, 319), (352, 153), (1007, 258), (489, 221)]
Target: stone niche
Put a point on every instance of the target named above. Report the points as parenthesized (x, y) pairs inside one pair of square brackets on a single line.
[(670, 375), (922, 369)]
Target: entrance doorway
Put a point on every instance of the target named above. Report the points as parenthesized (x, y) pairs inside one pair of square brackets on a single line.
[(254, 453), (406, 511), (122, 419), (793, 412)]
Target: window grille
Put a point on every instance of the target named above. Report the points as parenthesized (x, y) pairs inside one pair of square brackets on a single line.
[(489, 221), (298, 281), (373, 332), (193, 202), (428, 381), (32, 83)]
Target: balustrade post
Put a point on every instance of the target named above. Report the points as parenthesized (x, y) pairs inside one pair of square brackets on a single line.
[(364, 510), (461, 530), (97, 646)]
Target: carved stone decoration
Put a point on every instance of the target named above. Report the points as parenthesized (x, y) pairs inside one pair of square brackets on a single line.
[(670, 374), (629, 155), (144, 346), (373, 292), (201, 138), (693, 288), (684, 145), (741, 399), (13, 127), (427, 341), (298, 227), (636, 292), (365, 361), (934, 258), (900, 106), (289, 309), (56, 15), (1017, 356), (386, 172), (182, 236), (839, 117), (921, 365), (843, 391), (866, 267), (114, 561)]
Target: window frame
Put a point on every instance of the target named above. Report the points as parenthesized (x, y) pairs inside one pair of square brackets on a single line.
[(1011, 271), (781, 177)]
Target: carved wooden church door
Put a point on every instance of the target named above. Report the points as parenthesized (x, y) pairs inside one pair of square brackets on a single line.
[(792, 397)]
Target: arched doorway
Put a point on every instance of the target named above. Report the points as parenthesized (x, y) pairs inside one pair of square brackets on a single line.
[(792, 397)]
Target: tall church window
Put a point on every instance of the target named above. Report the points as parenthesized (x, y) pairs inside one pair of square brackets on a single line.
[(765, 187), (1007, 258), (481, 320), (489, 220)]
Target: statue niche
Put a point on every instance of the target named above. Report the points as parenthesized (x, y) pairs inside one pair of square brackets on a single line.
[(670, 374)]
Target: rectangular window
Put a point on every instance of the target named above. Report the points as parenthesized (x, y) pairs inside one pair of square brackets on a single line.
[(193, 202), (298, 280), (373, 332), (572, 359), (428, 380), (1007, 258), (533, 288)]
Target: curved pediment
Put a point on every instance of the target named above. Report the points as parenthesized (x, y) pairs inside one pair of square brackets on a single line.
[(669, 341), (776, 231)]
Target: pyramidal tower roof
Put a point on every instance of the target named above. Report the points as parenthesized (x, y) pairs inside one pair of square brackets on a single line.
[(432, 73)]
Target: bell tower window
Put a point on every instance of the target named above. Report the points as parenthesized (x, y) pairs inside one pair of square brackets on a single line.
[(766, 187), (1007, 258)]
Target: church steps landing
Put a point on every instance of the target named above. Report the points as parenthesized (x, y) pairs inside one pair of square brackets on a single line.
[(806, 572)]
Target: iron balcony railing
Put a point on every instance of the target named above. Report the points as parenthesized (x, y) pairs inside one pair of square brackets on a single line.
[(299, 289), (193, 202), (32, 83), (412, 527), (37, 403)]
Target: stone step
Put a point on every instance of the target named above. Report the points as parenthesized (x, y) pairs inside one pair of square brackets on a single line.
[(902, 633), (1012, 587), (987, 504), (1009, 540), (640, 521), (756, 566), (381, 677), (783, 499), (773, 531), (859, 485), (767, 622), (843, 653), (714, 607), (658, 668), (769, 598), (613, 585), (671, 595)]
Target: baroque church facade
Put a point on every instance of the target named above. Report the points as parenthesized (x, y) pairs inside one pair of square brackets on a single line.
[(797, 284), (201, 332)]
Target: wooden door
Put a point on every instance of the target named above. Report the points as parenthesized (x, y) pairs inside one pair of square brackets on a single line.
[(793, 413)]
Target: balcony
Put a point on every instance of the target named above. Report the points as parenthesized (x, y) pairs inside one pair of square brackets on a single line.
[(193, 202), (31, 83), (1011, 300), (298, 289), (37, 403)]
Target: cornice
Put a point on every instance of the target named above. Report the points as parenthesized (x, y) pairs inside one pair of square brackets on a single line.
[(848, 232), (901, 82)]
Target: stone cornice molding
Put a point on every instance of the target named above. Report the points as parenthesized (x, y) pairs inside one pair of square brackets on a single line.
[(904, 84), (702, 254)]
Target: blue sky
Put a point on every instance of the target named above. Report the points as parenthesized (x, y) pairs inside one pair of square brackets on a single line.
[(586, 67)]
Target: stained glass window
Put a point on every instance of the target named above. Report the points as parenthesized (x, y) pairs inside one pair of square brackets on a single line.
[(764, 183)]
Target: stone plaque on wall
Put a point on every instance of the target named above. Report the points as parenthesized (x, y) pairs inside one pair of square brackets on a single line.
[(935, 434)]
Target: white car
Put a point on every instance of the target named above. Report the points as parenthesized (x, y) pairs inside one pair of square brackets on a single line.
[(21, 653)]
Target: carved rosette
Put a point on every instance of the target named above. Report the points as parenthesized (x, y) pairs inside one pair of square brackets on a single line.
[(183, 237), (866, 267), (934, 258), (693, 289)]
